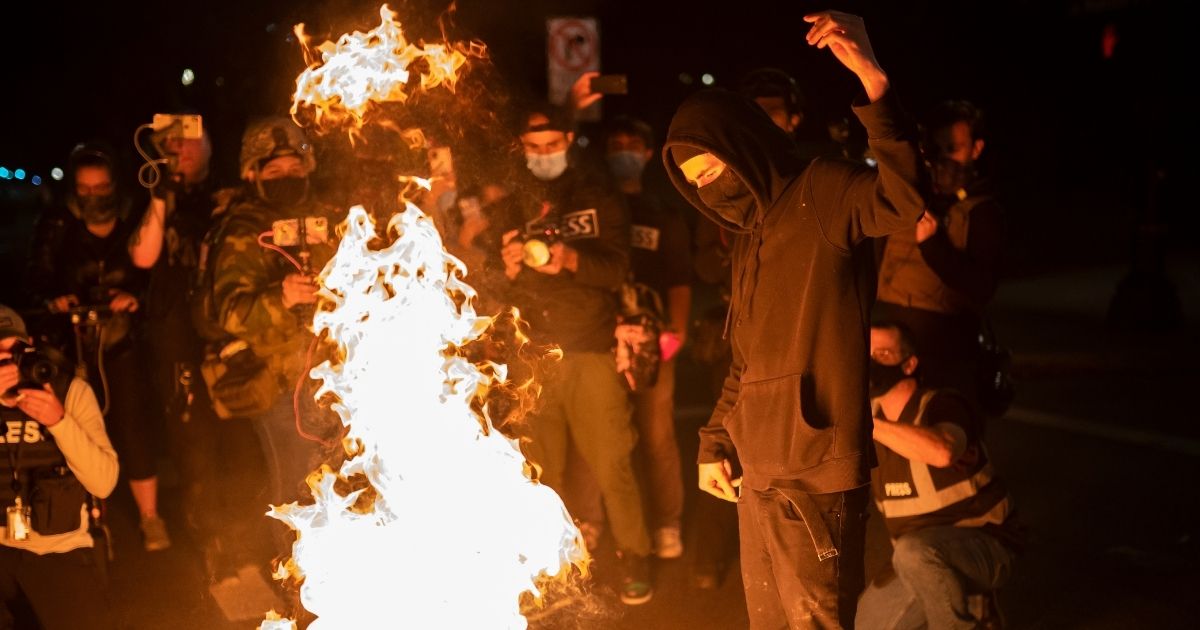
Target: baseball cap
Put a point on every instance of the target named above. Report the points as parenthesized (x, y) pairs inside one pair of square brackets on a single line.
[(11, 324)]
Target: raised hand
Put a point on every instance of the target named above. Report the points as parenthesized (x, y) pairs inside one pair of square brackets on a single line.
[(846, 36)]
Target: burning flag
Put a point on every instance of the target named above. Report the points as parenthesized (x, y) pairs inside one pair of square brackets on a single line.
[(433, 519)]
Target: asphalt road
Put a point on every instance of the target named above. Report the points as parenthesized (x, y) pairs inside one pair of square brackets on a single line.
[(1101, 451)]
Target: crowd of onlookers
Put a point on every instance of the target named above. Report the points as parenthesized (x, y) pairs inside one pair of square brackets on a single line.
[(170, 316)]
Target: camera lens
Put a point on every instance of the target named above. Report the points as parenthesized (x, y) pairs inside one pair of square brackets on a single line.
[(43, 371), (537, 253)]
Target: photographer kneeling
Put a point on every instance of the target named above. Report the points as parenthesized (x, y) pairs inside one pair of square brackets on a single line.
[(56, 452)]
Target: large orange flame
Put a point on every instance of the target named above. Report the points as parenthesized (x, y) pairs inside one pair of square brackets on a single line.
[(433, 520), (345, 78)]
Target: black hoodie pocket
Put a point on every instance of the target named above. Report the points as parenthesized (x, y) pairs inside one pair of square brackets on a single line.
[(769, 429)]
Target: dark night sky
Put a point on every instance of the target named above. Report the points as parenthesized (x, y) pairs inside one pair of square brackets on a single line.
[(1074, 134)]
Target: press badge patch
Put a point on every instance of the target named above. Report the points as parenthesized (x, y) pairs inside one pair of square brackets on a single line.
[(581, 224), (645, 237)]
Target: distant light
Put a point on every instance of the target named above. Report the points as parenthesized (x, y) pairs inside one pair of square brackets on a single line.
[(188, 76), (4, 173), (1109, 40), (19, 173), (707, 79), (290, 38), (872, 162), (36, 180), (685, 78), (220, 81), (583, 141), (271, 27), (56, 174)]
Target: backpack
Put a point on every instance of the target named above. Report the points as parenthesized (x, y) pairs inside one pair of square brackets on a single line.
[(238, 381)]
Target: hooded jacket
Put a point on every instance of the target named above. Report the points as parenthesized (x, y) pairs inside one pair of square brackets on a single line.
[(794, 408)]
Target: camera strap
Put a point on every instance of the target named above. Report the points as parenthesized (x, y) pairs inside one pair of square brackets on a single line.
[(14, 459)]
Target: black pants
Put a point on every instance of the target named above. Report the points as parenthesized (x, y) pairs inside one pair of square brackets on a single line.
[(802, 557), (131, 423), (62, 590), (219, 463), (716, 526)]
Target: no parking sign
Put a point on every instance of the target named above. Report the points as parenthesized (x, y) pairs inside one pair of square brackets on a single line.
[(572, 48)]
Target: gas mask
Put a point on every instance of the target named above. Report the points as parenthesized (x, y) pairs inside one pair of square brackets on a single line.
[(94, 209), (950, 176)]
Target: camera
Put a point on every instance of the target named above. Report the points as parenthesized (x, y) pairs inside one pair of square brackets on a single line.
[(295, 232), (186, 126), (34, 368), (538, 239)]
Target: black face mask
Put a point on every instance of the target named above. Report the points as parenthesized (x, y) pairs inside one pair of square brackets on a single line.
[(950, 176), (283, 192), (95, 209), (882, 378), (728, 197)]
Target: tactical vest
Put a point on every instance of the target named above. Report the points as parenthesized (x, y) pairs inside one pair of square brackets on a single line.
[(912, 495), (905, 279)]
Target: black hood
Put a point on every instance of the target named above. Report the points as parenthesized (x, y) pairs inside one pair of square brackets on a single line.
[(739, 133)]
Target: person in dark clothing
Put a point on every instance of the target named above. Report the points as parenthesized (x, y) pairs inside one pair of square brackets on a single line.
[(949, 514), (256, 295), (661, 260), (794, 407), (167, 242), (564, 250), (938, 278), (55, 453), (81, 262)]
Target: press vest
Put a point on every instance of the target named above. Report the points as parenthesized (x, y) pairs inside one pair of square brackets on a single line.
[(912, 495), (905, 279), (31, 445)]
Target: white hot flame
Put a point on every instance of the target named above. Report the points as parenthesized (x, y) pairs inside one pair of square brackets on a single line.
[(458, 531)]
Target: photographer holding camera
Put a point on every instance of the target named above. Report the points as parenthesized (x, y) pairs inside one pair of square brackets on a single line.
[(254, 302), (56, 452), (564, 250), (83, 272)]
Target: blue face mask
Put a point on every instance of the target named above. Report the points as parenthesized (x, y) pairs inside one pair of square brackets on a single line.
[(548, 166), (626, 165)]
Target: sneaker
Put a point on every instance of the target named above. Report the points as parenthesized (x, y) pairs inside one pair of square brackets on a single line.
[(154, 533), (668, 544), (591, 534), (635, 580)]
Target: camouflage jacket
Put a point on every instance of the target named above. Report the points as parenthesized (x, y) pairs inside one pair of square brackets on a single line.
[(247, 285)]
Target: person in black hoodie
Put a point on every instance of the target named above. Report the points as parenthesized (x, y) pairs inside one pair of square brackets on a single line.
[(794, 408)]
